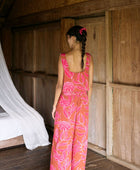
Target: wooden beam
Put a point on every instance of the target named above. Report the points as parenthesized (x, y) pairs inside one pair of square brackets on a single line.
[(124, 86), (76, 10), (96, 149), (109, 116), (11, 142), (124, 163)]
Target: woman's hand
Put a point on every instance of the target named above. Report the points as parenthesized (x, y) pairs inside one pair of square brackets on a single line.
[(53, 112)]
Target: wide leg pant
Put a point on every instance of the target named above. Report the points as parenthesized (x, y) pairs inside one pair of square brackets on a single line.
[(69, 146)]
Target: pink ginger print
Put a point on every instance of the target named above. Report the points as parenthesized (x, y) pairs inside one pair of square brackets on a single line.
[(69, 146)]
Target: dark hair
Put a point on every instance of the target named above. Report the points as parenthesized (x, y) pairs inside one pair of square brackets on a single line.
[(75, 31)]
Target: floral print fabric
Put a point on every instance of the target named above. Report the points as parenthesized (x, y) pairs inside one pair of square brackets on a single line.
[(69, 146)]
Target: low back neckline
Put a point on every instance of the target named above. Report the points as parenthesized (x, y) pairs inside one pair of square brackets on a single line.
[(79, 71)]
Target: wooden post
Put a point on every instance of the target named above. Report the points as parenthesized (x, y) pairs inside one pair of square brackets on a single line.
[(109, 115), (66, 23)]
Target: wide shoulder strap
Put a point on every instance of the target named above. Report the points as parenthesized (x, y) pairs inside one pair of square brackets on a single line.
[(88, 60), (63, 59), (89, 55), (62, 54)]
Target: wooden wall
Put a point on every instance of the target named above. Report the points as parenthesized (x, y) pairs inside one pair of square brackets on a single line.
[(6, 42), (126, 70), (126, 46), (34, 63), (35, 37), (27, 7)]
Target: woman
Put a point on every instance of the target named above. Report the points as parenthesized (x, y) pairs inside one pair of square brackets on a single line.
[(71, 104)]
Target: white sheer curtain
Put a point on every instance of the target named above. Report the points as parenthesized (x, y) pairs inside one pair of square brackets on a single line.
[(31, 122)]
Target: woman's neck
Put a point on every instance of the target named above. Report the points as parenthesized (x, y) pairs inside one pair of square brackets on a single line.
[(77, 47)]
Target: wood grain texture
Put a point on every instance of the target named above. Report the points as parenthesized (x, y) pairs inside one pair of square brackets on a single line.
[(23, 49), (95, 45), (126, 46), (11, 142), (126, 61), (126, 71), (97, 116), (126, 137), (44, 96), (75, 9), (23, 7), (24, 85), (23, 159), (108, 41), (47, 47), (6, 43)]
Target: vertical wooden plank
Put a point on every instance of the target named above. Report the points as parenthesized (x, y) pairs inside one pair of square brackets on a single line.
[(34, 93), (6, 42), (126, 46), (27, 89), (34, 50), (47, 47), (24, 85), (109, 115), (66, 23), (122, 123), (45, 90), (126, 125), (34, 67), (126, 61), (97, 116), (23, 49), (116, 124), (136, 128)]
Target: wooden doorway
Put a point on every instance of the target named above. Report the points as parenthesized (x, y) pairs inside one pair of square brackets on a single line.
[(97, 115)]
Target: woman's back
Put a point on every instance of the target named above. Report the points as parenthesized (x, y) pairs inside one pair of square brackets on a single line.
[(74, 61), (75, 81)]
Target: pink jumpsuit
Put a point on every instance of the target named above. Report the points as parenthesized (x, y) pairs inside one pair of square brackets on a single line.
[(70, 139)]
